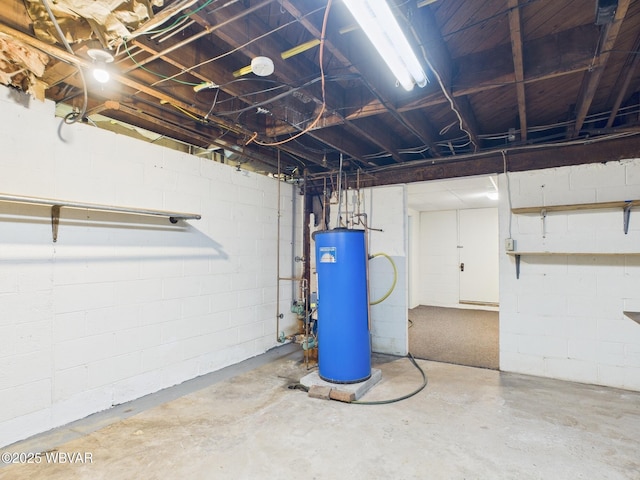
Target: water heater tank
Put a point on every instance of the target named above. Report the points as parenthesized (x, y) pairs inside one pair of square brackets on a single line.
[(344, 348)]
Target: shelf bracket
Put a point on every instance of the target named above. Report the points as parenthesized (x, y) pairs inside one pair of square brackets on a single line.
[(55, 221), (543, 219), (517, 267), (627, 216)]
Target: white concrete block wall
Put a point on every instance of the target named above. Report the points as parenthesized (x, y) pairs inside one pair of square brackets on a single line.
[(564, 317), (122, 306), (413, 260)]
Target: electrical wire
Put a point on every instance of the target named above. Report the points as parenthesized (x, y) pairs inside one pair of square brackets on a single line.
[(274, 98), (160, 75), (71, 117), (240, 47), (322, 76), (180, 18)]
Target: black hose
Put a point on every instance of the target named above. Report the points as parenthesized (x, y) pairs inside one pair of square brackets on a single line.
[(299, 386), (404, 397)]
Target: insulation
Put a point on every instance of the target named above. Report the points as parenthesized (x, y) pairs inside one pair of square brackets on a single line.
[(21, 65), (108, 20)]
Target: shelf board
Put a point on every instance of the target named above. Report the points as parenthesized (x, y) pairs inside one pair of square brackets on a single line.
[(577, 206)]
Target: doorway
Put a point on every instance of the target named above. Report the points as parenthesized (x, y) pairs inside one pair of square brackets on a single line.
[(454, 314)]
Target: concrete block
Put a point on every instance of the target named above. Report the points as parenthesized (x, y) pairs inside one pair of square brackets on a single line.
[(542, 304), (69, 382), (342, 390), (193, 183), (80, 405), (583, 349), (110, 370), (33, 336), (176, 330), (320, 391), (111, 319), (25, 426), (25, 398), (613, 376), (224, 302), (611, 353), (19, 369), (619, 330), (596, 175), (179, 287), (250, 331), (254, 197), (570, 369), (632, 168), (136, 339), (26, 307), (543, 346), (157, 357), (77, 297), (195, 306), (517, 362), (160, 311), (80, 351)]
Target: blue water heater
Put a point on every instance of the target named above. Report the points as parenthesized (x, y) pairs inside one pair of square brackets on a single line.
[(344, 349)]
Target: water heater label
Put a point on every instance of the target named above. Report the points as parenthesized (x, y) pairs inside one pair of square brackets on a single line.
[(327, 254)]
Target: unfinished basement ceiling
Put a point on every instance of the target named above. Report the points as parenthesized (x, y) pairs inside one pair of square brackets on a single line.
[(518, 83)]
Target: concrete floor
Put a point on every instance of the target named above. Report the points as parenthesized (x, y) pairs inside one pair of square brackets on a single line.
[(244, 423)]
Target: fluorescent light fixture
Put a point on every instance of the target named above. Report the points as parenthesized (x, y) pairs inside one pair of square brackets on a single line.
[(379, 24)]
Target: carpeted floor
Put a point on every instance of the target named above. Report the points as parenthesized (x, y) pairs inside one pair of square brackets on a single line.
[(453, 335)]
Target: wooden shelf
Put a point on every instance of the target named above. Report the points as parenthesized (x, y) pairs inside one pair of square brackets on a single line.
[(518, 254), (577, 206), (542, 210), (56, 205)]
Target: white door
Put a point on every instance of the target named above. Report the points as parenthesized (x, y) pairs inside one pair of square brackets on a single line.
[(478, 255)]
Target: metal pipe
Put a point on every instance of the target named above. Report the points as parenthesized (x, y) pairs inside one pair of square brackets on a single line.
[(339, 193), (278, 258), (103, 208)]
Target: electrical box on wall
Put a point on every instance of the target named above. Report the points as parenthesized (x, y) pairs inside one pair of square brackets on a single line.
[(509, 244)]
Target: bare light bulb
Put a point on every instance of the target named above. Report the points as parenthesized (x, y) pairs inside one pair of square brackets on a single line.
[(100, 59), (100, 72)]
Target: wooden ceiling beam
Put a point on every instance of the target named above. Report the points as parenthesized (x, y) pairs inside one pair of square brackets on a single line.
[(592, 77), (517, 160), (192, 54), (491, 69), (375, 133), (287, 70), (441, 63), (621, 86), (364, 69), (202, 33), (518, 64)]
